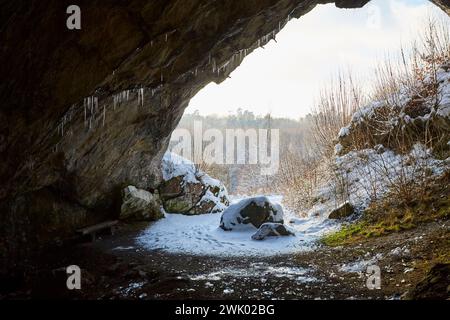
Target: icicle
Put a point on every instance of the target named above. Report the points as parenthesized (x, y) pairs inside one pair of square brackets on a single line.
[(104, 114), (166, 37), (96, 103), (151, 43), (128, 95), (142, 96), (90, 105), (84, 103)]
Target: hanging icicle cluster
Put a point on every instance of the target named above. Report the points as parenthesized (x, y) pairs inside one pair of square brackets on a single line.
[(241, 54), (90, 110), (120, 97), (91, 104), (64, 121), (140, 96)]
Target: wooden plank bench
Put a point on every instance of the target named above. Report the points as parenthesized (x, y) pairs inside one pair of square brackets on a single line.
[(105, 227)]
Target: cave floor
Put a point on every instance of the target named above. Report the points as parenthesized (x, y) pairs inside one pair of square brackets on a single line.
[(116, 267)]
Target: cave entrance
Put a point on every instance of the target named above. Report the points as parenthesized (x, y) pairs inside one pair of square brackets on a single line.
[(273, 95)]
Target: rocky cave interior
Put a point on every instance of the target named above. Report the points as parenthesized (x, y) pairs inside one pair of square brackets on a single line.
[(85, 113)]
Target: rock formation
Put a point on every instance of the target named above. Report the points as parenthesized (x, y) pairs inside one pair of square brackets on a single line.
[(270, 229), (342, 211), (251, 212), (85, 113), (140, 204), (187, 190)]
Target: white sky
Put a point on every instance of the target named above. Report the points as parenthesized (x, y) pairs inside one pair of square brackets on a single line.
[(285, 77)]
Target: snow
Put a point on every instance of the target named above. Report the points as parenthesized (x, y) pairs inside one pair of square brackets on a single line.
[(439, 105), (174, 165), (201, 235), (361, 264), (400, 251), (344, 132), (368, 175), (139, 193), (259, 270), (228, 291), (231, 216), (270, 229), (122, 248)]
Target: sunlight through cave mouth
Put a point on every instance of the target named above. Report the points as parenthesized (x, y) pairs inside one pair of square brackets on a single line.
[(280, 87)]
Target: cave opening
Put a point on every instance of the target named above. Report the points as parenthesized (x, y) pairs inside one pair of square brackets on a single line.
[(280, 85), (309, 136)]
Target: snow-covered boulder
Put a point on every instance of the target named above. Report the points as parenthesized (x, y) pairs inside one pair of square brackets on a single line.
[(251, 211), (187, 190), (270, 229), (138, 204)]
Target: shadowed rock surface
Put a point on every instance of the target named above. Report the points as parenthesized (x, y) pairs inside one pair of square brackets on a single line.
[(435, 286), (140, 204), (344, 210), (86, 113)]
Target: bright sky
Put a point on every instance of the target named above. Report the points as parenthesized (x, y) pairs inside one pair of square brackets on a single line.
[(285, 77)]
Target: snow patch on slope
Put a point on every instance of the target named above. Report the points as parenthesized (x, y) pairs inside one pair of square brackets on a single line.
[(367, 175)]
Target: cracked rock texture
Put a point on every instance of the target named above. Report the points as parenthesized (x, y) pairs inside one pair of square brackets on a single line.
[(85, 113)]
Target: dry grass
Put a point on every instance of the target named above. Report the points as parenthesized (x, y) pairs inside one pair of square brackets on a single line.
[(397, 124), (298, 178), (336, 105), (394, 214)]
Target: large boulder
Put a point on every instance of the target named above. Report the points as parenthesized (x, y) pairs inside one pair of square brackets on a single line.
[(342, 211), (251, 211), (188, 190), (270, 229), (140, 204)]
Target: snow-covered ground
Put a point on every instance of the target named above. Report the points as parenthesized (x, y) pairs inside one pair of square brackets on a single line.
[(201, 235), (260, 270)]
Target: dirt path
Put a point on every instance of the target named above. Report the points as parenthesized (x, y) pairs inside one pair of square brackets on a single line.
[(117, 268)]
